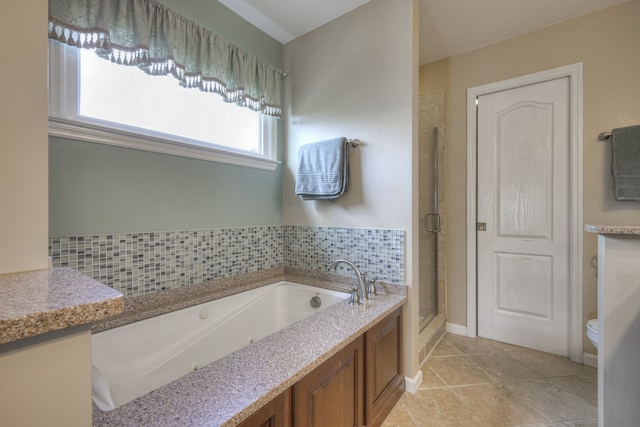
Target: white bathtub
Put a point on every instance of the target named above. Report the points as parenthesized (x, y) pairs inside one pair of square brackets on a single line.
[(132, 360)]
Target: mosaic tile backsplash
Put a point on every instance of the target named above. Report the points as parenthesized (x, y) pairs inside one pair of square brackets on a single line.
[(142, 263), (377, 252)]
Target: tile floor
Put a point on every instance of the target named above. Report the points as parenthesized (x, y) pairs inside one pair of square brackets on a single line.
[(482, 383)]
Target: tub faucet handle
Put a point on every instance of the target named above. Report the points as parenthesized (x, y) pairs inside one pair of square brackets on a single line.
[(371, 286), (353, 299)]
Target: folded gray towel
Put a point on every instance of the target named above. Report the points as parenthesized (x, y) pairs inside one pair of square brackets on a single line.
[(625, 162), (323, 170)]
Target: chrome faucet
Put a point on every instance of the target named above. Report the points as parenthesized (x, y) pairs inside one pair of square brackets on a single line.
[(359, 289)]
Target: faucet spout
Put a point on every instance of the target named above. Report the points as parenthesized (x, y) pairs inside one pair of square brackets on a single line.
[(360, 287)]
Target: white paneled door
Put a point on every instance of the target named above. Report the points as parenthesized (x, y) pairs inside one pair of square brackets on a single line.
[(523, 215)]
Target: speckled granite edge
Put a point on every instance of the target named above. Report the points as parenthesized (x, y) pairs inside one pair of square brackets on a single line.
[(147, 306), (229, 390), (37, 302), (613, 229)]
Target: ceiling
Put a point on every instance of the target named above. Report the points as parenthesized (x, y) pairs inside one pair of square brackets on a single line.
[(447, 27)]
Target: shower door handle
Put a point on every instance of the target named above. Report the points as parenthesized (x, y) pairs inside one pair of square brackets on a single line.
[(433, 223)]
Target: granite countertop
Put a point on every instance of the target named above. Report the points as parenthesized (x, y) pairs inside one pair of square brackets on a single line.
[(36, 302), (230, 389), (613, 229)]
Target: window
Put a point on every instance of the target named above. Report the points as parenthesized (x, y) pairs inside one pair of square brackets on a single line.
[(96, 100)]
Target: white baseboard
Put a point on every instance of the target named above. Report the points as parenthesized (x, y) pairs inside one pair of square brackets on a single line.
[(589, 359), (457, 329), (412, 385)]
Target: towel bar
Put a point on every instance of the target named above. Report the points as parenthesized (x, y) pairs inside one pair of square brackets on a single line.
[(353, 142), (604, 136)]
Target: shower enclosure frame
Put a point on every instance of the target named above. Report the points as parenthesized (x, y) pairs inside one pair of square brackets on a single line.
[(432, 223)]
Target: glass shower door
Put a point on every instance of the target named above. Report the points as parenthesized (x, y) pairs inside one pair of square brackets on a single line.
[(431, 226)]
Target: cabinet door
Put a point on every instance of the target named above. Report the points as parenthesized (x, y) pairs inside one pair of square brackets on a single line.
[(276, 413), (384, 379), (332, 394)]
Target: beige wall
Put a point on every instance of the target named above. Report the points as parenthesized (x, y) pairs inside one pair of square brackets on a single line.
[(357, 77), (606, 42), (46, 381), (23, 136)]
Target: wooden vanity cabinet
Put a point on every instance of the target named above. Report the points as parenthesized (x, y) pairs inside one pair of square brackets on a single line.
[(384, 380), (332, 394), (276, 413)]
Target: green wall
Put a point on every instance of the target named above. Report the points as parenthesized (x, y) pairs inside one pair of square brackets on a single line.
[(101, 189)]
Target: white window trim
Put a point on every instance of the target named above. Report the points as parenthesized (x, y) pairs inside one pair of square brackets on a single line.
[(66, 124), (94, 133)]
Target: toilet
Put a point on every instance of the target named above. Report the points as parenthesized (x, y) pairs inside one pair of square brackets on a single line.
[(592, 331)]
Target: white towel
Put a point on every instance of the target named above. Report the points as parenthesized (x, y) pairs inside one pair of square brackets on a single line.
[(323, 170)]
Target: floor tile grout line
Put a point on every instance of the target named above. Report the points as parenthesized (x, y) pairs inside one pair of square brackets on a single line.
[(500, 380), (438, 375), (475, 364)]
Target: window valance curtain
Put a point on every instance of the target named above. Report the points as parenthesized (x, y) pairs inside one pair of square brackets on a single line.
[(147, 34)]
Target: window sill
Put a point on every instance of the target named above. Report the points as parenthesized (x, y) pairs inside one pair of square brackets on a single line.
[(120, 138)]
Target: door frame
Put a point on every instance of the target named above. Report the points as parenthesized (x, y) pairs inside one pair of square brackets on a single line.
[(574, 73)]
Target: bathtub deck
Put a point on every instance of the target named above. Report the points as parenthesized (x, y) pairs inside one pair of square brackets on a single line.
[(227, 391)]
